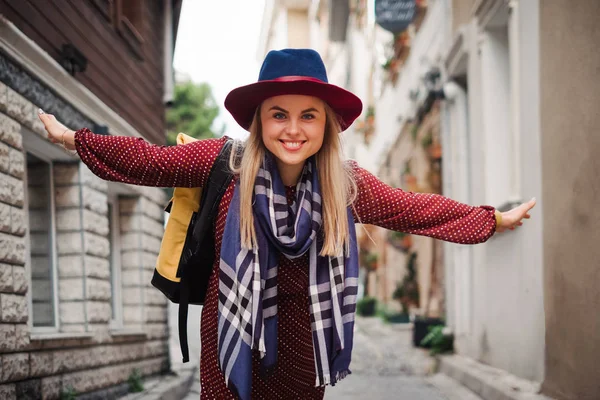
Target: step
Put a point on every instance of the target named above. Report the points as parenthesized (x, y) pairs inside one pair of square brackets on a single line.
[(488, 382), (451, 389)]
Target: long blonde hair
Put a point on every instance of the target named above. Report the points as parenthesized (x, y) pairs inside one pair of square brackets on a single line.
[(338, 185)]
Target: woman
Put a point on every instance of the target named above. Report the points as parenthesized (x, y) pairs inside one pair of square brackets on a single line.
[(278, 318)]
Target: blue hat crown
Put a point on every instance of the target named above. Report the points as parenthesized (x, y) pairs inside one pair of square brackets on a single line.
[(292, 62)]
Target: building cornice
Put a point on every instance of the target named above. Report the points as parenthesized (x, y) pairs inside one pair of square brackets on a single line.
[(30, 71)]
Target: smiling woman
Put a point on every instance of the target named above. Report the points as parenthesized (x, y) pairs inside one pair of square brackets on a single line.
[(278, 319), (293, 127)]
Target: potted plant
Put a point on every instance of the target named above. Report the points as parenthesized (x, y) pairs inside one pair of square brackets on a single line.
[(400, 240), (407, 291), (432, 146), (391, 66), (366, 306), (409, 180), (392, 317), (401, 39), (414, 132), (434, 177), (440, 339), (423, 323), (371, 260)]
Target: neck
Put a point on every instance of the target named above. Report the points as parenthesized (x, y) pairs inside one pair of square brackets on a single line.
[(289, 173)]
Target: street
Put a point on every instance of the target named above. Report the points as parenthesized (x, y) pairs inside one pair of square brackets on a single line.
[(384, 366)]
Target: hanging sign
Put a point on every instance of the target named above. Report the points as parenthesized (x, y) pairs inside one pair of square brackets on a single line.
[(395, 15)]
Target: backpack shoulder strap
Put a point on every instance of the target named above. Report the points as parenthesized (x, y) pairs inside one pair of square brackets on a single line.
[(218, 180)]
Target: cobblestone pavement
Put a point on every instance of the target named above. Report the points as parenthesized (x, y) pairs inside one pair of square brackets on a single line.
[(385, 366)]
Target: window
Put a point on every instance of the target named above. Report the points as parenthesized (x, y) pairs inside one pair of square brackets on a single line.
[(115, 262), (127, 17), (41, 235), (106, 8), (129, 20)]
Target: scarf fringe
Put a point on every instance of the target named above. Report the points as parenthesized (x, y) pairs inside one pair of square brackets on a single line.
[(326, 380)]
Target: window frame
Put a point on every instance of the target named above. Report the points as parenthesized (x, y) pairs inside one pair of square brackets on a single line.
[(106, 8), (116, 323), (52, 245), (127, 29)]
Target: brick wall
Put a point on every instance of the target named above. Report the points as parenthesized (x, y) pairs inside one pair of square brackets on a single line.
[(85, 352)]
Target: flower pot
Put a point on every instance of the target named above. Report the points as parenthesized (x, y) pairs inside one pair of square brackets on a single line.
[(435, 151), (410, 180), (400, 318), (421, 329)]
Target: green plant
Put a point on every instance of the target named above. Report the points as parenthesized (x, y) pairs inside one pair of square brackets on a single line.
[(439, 341), (370, 111), (406, 170), (400, 240), (397, 235), (135, 381), (371, 258), (414, 131), (391, 317), (368, 260), (68, 393), (427, 140), (366, 306), (387, 65), (407, 291)]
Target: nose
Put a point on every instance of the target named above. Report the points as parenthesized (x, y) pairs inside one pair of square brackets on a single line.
[(293, 127)]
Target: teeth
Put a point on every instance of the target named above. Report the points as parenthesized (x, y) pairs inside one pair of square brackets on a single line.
[(293, 144)]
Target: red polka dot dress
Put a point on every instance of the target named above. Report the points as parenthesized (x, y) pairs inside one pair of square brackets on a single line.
[(134, 161)]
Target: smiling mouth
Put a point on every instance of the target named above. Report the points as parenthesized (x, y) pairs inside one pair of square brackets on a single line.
[(292, 145)]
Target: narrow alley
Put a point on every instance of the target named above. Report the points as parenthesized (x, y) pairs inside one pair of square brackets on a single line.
[(384, 366)]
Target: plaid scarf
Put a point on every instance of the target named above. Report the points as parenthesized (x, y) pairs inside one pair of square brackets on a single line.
[(248, 282)]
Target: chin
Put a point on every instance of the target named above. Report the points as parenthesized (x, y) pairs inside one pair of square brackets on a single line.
[(293, 161)]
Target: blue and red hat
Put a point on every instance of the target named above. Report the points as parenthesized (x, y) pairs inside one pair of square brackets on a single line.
[(292, 71)]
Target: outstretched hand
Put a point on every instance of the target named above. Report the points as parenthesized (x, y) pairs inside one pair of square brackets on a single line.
[(57, 132), (513, 218)]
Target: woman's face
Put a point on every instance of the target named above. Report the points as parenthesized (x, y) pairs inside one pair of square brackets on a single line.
[(293, 127)]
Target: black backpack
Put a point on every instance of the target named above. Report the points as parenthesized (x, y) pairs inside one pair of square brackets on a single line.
[(198, 254)]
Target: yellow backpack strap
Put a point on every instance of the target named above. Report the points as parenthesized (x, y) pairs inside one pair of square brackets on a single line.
[(184, 203)]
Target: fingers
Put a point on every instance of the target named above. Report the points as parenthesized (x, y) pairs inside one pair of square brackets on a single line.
[(530, 204)]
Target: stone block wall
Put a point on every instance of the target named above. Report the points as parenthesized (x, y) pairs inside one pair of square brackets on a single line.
[(86, 351)]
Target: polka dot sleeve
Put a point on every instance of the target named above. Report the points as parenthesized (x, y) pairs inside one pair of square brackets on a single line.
[(135, 161), (420, 213)]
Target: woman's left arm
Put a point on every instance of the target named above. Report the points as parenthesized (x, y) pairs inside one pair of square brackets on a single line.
[(429, 214)]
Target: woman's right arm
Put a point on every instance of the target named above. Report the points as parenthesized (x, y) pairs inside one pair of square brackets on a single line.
[(135, 161)]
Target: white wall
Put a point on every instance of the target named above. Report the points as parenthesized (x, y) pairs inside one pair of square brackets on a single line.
[(393, 105), (504, 323)]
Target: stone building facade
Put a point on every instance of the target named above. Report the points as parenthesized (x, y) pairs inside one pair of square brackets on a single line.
[(77, 311)]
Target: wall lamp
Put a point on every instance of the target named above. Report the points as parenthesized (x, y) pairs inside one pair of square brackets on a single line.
[(72, 59)]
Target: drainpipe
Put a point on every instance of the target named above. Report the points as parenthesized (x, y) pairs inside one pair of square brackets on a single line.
[(168, 54)]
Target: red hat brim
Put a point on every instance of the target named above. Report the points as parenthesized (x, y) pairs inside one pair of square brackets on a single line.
[(243, 101)]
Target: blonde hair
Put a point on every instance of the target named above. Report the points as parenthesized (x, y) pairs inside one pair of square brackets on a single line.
[(336, 178)]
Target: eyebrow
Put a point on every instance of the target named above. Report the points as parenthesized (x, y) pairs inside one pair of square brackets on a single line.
[(312, 109)]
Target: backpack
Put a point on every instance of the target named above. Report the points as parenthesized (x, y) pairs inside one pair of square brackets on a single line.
[(187, 251)]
